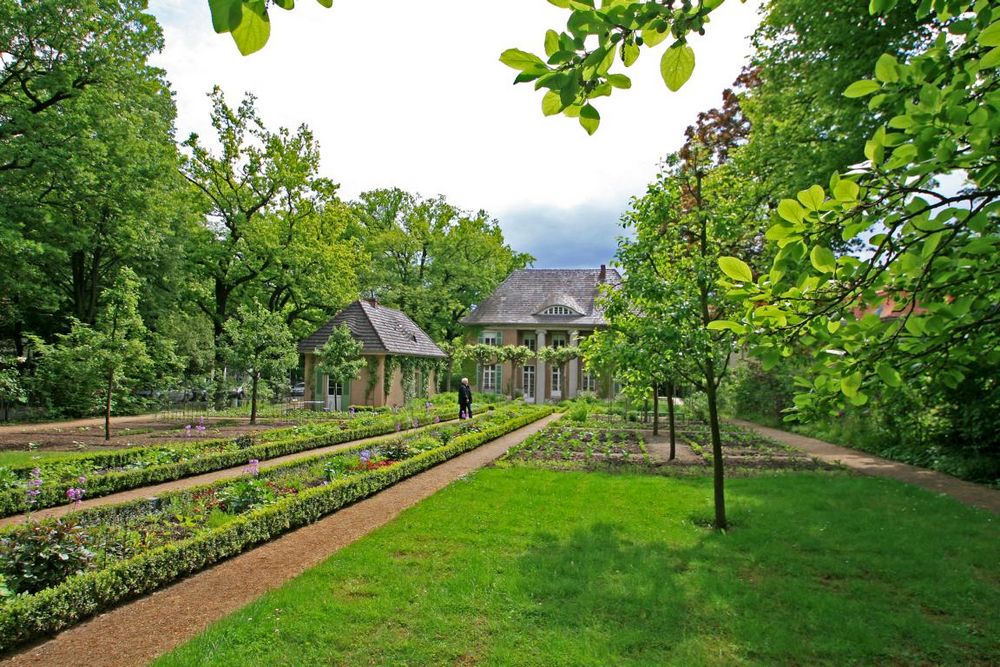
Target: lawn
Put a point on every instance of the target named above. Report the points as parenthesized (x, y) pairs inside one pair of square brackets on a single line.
[(532, 567)]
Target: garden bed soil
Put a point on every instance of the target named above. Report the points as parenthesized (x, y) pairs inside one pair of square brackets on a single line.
[(127, 432), (138, 632)]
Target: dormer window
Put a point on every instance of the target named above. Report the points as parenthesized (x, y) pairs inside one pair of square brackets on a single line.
[(559, 310)]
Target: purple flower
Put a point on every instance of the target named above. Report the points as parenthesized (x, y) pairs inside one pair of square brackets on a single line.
[(365, 455), (201, 425), (428, 405), (437, 419), (252, 468), (416, 423), (398, 427), (351, 410), (34, 487), (81, 480), (75, 495), (187, 430)]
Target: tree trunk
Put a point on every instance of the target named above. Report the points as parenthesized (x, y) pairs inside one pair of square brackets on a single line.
[(670, 418), (656, 410), (253, 399), (221, 303), (713, 419), (107, 407)]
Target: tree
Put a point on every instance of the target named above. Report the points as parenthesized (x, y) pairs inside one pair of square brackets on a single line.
[(340, 357), (258, 343), (11, 389), (87, 368), (430, 259), (922, 302), (805, 55), (517, 355), (272, 223)]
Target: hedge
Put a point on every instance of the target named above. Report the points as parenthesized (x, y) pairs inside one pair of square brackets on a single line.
[(29, 617), (13, 501)]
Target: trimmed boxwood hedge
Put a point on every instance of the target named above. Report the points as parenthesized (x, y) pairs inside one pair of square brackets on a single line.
[(13, 501), (44, 613)]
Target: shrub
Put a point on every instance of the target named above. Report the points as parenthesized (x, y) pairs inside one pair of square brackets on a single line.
[(578, 412), (245, 494), (44, 554)]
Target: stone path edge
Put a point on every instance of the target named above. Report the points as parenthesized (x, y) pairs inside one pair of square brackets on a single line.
[(139, 631), (969, 493)]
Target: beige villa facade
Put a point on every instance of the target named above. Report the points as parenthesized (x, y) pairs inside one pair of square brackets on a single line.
[(541, 308), (385, 334)]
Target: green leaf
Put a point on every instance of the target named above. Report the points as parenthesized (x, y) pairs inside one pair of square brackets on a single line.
[(630, 53), (877, 6), (226, 14), (861, 88), (619, 81), (991, 59), (726, 325), (886, 68), (285, 4), (521, 60), (326, 3), (850, 384), (736, 269), (812, 198), (991, 35), (654, 37), (822, 258), (889, 375), (790, 210), (846, 191), (677, 65), (551, 42), (551, 103), (589, 118), (254, 29)]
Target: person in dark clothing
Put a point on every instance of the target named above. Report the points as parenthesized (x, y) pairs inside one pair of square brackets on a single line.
[(464, 400)]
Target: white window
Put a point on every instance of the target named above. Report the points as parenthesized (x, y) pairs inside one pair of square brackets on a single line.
[(528, 381), (556, 380), (489, 378), (490, 337), (558, 340), (529, 341), (589, 382), (559, 310)]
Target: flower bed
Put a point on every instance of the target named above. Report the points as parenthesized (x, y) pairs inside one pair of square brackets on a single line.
[(111, 472), (562, 445), (105, 555)]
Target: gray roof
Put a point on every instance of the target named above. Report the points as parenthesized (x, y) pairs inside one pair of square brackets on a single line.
[(525, 293), (382, 331)]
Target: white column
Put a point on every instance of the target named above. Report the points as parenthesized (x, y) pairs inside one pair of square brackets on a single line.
[(574, 366), (539, 367)]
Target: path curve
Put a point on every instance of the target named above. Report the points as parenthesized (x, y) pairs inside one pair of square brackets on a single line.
[(976, 495), (138, 632), (204, 478)]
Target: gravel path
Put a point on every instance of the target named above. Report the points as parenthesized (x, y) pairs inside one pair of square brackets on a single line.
[(137, 632), (969, 493), (659, 450), (186, 482)]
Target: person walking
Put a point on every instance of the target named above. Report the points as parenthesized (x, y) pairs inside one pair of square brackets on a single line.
[(464, 400)]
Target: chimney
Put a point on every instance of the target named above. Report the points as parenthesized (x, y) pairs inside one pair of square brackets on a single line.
[(373, 301), (603, 275)]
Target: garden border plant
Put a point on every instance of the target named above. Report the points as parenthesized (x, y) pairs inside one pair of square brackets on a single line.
[(53, 609), (13, 501)]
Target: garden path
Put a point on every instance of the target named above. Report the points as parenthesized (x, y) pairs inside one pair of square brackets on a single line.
[(976, 495), (196, 480), (35, 427), (137, 632), (659, 449)]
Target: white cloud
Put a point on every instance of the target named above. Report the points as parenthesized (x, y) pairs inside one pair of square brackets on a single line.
[(408, 94)]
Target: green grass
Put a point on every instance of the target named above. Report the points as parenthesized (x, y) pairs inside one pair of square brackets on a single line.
[(17, 458), (530, 567)]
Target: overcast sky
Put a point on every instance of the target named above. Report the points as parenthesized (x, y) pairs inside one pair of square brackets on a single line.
[(412, 95)]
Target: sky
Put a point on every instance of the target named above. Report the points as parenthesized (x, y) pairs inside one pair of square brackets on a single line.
[(412, 95)]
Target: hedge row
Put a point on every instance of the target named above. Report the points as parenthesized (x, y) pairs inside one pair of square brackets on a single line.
[(14, 501), (54, 609)]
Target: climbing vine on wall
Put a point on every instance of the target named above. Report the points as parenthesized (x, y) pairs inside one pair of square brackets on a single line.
[(391, 364), (372, 378), (408, 366)]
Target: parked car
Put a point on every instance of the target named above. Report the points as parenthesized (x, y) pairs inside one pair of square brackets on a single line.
[(298, 389)]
